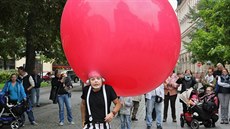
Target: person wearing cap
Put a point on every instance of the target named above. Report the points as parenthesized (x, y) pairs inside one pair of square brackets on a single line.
[(96, 101), (62, 96), (28, 84)]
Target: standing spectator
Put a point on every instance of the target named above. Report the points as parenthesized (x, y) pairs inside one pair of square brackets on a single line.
[(125, 112), (96, 101), (28, 83), (218, 71), (153, 112), (209, 80), (155, 100), (187, 81), (36, 89), (62, 83), (170, 88), (136, 103), (223, 84)]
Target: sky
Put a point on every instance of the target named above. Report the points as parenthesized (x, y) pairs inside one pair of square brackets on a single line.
[(173, 3)]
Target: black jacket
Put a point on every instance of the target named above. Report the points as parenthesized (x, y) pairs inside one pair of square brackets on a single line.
[(37, 80), (57, 88), (186, 84)]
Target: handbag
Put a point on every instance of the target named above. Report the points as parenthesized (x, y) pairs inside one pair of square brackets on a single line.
[(158, 99)]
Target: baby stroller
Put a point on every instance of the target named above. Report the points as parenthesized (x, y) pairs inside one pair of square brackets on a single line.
[(11, 114), (195, 115)]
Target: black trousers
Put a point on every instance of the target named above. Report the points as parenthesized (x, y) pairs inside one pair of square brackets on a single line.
[(172, 100)]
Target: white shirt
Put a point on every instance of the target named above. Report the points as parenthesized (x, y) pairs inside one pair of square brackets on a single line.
[(158, 91), (31, 80)]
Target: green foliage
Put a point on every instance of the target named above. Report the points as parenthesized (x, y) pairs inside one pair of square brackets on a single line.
[(31, 26), (211, 35), (5, 75), (45, 84)]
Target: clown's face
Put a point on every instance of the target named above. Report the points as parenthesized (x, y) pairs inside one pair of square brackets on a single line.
[(96, 82)]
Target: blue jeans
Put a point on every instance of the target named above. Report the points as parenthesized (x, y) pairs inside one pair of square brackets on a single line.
[(125, 121), (150, 104), (35, 95), (64, 99), (32, 96), (29, 113)]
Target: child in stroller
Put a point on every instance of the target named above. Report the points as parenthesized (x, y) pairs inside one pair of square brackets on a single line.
[(11, 113), (199, 109)]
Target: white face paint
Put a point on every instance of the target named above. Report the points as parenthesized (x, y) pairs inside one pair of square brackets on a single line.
[(96, 82)]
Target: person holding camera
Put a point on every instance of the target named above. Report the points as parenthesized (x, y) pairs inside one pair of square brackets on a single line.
[(170, 88), (155, 100), (62, 95), (187, 81)]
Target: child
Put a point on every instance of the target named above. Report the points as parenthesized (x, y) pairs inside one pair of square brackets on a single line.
[(125, 111), (193, 100)]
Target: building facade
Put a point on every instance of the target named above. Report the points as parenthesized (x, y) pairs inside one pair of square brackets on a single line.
[(39, 65), (185, 61)]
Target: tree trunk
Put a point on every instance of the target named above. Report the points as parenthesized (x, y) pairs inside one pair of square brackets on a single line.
[(30, 57), (30, 47)]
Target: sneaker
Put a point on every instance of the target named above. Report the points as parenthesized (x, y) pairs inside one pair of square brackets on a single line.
[(222, 122), (174, 120), (159, 127), (61, 123), (38, 105), (226, 122), (164, 120), (148, 127), (72, 123), (34, 123), (213, 125), (134, 119)]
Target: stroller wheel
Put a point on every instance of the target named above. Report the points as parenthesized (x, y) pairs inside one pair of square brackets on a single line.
[(14, 125), (21, 121), (182, 121), (195, 124), (1, 124), (207, 123)]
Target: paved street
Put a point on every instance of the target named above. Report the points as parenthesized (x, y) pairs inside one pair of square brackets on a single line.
[(47, 115)]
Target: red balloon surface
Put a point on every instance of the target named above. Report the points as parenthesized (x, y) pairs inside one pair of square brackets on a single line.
[(134, 44)]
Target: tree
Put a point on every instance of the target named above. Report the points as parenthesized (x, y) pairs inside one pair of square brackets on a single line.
[(10, 46), (210, 40), (37, 22)]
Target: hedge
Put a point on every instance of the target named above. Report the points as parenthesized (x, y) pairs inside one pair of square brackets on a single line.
[(5, 75)]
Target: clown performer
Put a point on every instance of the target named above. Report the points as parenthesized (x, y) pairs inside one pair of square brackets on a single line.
[(96, 101)]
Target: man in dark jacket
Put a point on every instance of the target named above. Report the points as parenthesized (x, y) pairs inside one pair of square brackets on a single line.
[(28, 84)]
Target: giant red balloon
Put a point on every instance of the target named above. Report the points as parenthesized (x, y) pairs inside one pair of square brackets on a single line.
[(134, 44)]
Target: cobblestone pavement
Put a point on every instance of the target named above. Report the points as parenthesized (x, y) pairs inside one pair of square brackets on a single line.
[(47, 115)]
